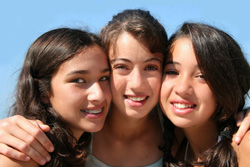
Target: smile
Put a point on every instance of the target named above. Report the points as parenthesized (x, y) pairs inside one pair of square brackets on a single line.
[(93, 111), (137, 99), (183, 106)]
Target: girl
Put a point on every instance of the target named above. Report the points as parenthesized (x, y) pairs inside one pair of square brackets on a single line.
[(206, 78), (59, 86), (136, 44)]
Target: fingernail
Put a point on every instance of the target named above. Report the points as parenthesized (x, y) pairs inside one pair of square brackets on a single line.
[(51, 149), (237, 139), (43, 161), (27, 158), (48, 158)]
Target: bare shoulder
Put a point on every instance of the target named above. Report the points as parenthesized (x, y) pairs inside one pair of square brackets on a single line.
[(9, 162), (243, 150)]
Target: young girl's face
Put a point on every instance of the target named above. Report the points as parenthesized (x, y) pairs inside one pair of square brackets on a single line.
[(136, 77), (185, 98), (81, 92)]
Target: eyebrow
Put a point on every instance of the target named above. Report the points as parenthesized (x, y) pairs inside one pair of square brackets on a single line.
[(172, 62), (86, 72), (127, 60)]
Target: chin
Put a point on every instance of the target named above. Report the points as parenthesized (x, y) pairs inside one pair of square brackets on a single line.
[(94, 127)]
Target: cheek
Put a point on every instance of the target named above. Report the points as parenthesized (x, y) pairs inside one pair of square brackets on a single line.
[(117, 82), (166, 88), (107, 92), (155, 84)]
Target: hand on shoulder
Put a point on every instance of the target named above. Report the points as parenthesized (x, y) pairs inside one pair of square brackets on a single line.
[(243, 150)]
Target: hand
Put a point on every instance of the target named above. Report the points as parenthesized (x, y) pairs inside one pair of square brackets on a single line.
[(243, 122), (23, 139)]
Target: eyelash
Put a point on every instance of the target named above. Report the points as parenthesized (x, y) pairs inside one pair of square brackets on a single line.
[(151, 68), (171, 72), (105, 78), (79, 80), (121, 67)]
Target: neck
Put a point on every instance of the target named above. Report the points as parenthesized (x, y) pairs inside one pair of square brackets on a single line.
[(201, 138), (125, 127)]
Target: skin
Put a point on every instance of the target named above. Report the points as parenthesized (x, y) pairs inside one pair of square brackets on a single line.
[(78, 88), (130, 130), (28, 137), (188, 107)]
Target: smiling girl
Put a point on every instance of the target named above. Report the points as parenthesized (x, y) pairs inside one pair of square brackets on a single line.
[(206, 78), (59, 86)]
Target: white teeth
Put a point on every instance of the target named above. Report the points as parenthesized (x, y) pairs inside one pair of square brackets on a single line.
[(137, 98), (93, 111), (182, 106)]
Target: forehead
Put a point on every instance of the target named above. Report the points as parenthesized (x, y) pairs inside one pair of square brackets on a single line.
[(127, 45)]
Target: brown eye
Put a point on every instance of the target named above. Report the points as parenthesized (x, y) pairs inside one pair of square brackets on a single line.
[(106, 78), (151, 68), (79, 80)]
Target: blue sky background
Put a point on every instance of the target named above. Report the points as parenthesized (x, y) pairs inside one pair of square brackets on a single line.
[(24, 21)]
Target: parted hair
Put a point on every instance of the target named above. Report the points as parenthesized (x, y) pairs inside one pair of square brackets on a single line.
[(141, 25)]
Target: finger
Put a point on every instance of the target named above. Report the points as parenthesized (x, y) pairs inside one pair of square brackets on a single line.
[(34, 130), (12, 153), (244, 127), (18, 136), (22, 146), (42, 126), (239, 118)]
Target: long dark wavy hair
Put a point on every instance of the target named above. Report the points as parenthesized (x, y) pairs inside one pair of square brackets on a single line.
[(141, 25), (227, 73), (42, 60)]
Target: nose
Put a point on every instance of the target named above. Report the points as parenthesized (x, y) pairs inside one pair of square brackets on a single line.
[(183, 85), (136, 79), (95, 93)]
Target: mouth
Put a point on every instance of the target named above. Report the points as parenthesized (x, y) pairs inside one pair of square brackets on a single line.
[(136, 99), (183, 106), (92, 111)]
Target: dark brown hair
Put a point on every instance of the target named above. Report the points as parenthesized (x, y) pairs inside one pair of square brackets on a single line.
[(42, 60), (227, 73), (141, 25)]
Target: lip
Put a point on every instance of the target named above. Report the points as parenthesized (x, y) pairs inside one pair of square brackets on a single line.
[(139, 101), (189, 107), (94, 116)]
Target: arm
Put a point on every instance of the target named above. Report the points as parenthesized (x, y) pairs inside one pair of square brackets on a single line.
[(243, 122), (8, 162), (23, 139)]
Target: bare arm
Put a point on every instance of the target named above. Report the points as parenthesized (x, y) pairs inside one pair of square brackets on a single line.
[(23, 139), (8, 162)]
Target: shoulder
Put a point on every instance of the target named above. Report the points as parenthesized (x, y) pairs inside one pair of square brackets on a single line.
[(243, 150), (9, 162)]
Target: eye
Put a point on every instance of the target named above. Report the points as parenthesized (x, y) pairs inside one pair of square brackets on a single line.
[(151, 68), (79, 80), (120, 67), (201, 77), (105, 78), (171, 72)]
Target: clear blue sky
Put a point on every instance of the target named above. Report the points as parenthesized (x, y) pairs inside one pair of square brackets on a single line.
[(23, 21)]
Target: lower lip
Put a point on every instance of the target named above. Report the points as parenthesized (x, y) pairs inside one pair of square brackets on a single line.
[(94, 116), (181, 112), (136, 103)]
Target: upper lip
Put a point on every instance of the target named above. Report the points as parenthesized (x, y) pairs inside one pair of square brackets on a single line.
[(182, 102), (94, 107)]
